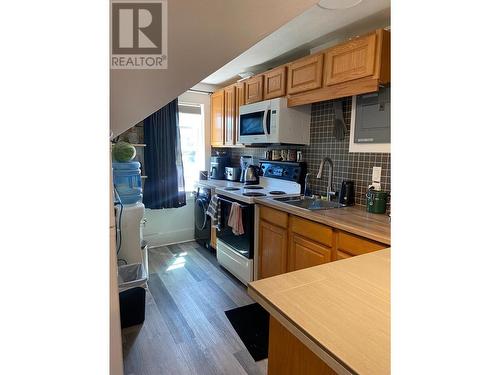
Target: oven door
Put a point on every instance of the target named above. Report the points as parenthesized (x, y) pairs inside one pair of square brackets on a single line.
[(243, 244), (255, 123)]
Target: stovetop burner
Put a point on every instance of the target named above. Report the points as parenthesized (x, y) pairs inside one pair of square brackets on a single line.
[(231, 188), (253, 187), (254, 194), (277, 192)]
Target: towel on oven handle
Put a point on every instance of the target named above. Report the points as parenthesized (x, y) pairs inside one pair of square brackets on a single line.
[(213, 211), (235, 220)]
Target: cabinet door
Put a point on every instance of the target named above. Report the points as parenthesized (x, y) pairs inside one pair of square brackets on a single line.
[(253, 89), (305, 74), (217, 118), (352, 245), (240, 100), (275, 83), (305, 253), (351, 60), (229, 115), (272, 249)]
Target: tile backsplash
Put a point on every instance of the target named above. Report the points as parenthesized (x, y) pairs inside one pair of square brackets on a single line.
[(353, 166)]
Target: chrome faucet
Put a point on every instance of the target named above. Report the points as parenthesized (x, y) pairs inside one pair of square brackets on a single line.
[(330, 194)]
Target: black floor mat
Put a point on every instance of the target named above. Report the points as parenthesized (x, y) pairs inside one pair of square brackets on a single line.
[(251, 323)]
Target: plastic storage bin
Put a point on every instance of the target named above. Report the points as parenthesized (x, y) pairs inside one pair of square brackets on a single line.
[(127, 180), (131, 276)]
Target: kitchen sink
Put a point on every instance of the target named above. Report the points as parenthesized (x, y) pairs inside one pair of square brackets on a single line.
[(309, 203)]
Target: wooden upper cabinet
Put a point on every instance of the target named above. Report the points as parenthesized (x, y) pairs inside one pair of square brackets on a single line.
[(273, 245), (275, 83), (240, 100), (217, 118), (306, 253), (254, 89), (305, 74), (351, 60), (229, 115)]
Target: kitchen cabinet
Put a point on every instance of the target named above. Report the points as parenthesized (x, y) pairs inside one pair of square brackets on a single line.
[(358, 66), (273, 249), (351, 60), (254, 89), (229, 115), (287, 243), (240, 100), (275, 83), (305, 74), (310, 244), (305, 253), (217, 118), (273, 242), (349, 245)]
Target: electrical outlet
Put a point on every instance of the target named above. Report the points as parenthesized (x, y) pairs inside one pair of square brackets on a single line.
[(376, 174)]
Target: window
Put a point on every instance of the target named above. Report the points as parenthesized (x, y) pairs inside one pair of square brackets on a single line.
[(192, 145)]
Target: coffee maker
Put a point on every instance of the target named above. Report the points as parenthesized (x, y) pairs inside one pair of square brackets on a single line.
[(218, 166)]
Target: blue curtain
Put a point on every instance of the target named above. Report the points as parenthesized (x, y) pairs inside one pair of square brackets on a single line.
[(164, 187)]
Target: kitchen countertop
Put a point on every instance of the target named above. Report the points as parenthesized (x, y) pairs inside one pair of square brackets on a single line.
[(339, 310), (213, 184), (353, 219)]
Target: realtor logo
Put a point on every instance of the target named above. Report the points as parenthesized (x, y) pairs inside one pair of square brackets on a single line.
[(139, 34)]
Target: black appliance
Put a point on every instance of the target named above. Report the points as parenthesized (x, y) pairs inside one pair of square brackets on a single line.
[(218, 166), (290, 171), (202, 221), (243, 244), (346, 196)]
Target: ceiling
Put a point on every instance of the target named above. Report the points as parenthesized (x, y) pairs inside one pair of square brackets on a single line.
[(315, 27)]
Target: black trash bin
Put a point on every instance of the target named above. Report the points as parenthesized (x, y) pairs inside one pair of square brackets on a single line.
[(132, 306), (131, 285)]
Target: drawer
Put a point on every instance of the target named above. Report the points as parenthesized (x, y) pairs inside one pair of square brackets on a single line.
[(273, 216), (355, 245), (341, 255), (312, 230)]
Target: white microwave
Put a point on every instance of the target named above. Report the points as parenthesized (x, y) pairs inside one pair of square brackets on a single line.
[(271, 121)]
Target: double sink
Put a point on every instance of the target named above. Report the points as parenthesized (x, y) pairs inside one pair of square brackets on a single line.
[(308, 203)]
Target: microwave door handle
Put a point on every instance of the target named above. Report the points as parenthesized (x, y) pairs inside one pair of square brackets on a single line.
[(265, 122)]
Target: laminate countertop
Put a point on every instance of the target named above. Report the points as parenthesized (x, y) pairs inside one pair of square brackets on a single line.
[(339, 310), (213, 184), (353, 219)]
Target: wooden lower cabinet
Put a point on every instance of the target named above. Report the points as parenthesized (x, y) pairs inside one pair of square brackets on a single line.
[(288, 356), (213, 236), (349, 245), (306, 253), (272, 249), (289, 243)]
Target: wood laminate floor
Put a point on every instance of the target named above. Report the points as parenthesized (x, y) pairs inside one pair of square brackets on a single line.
[(186, 330)]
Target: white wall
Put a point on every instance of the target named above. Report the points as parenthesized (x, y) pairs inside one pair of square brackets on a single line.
[(169, 225), (202, 37)]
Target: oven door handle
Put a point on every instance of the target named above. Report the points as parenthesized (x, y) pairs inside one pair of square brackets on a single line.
[(231, 202)]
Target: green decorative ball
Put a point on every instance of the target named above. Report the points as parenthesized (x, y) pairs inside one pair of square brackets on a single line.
[(123, 152)]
